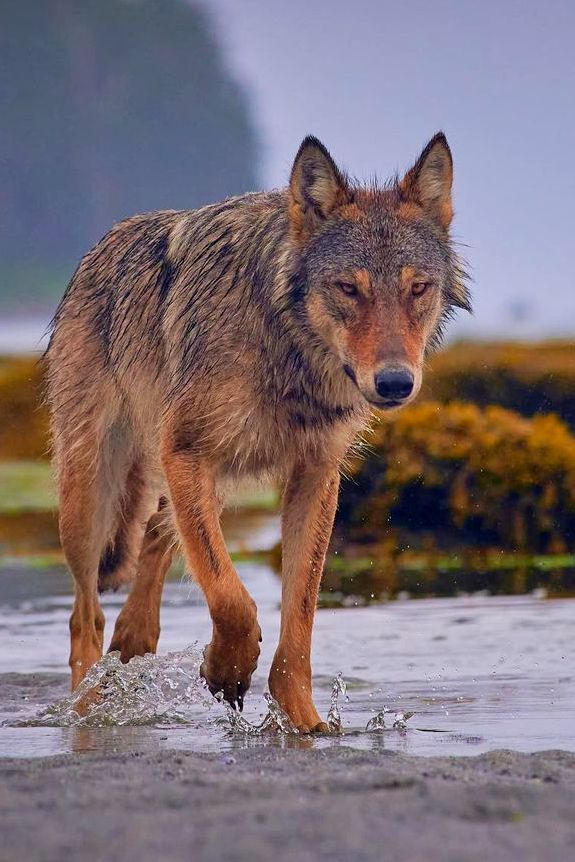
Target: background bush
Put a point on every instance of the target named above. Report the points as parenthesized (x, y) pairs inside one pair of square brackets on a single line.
[(465, 475), (528, 378), (24, 420)]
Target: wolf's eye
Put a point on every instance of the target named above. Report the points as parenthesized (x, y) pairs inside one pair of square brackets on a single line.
[(418, 288), (347, 287)]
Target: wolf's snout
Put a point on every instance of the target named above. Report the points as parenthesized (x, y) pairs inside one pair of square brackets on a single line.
[(394, 384)]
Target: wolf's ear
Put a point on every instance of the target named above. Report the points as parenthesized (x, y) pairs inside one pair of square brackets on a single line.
[(316, 188), (428, 183)]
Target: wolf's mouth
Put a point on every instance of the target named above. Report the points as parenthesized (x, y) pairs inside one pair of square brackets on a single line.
[(386, 405)]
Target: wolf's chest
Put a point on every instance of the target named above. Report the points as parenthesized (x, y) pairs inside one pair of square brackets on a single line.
[(267, 441)]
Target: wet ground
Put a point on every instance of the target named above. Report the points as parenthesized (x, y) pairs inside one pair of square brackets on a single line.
[(158, 770), (336, 804), (479, 672)]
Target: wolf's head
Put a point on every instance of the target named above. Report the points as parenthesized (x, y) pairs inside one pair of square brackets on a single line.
[(377, 277)]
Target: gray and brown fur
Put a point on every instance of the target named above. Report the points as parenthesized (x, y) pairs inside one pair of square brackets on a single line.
[(243, 339)]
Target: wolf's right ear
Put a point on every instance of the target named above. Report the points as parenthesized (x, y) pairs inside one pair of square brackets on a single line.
[(428, 183), (316, 188)]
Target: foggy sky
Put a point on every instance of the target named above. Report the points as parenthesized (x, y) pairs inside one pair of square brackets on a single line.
[(375, 80)]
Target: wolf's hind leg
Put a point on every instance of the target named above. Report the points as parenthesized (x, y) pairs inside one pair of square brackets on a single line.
[(137, 628), (309, 505), (84, 521), (231, 657), (135, 504)]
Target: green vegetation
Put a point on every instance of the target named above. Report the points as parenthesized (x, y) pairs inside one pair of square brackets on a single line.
[(388, 574), (26, 486)]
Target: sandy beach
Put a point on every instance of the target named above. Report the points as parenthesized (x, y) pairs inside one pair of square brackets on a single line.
[(288, 804)]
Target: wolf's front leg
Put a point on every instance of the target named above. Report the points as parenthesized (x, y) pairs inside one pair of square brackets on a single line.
[(309, 506), (231, 657)]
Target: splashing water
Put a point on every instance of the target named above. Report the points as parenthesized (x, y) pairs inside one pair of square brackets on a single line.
[(401, 719), (334, 717), (153, 689), (148, 689), (168, 689), (378, 721), (275, 720)]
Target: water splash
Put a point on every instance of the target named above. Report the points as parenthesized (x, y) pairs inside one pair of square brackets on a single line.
[(334, 716), (149, 689), (378, 721), (152, 690), (401, 719), (276, 717), (275, 721), (168, 689)]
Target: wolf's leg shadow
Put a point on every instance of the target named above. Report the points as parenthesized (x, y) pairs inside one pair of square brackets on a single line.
[(231, 657), (309, 505), (137, 628)]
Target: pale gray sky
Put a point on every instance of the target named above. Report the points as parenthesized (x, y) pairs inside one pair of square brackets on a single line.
[(374, 80)]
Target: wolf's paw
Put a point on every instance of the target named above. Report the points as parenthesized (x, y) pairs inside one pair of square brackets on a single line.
[(130, 641), (229, 663), (292, 690)]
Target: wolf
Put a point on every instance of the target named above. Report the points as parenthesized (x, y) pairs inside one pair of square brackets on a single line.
[(248, 338)]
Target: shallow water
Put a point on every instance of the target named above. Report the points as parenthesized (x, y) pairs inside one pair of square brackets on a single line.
[(479, 672)]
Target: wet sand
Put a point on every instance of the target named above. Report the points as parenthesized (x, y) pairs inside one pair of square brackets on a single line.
[(278, 804), (481, 673)]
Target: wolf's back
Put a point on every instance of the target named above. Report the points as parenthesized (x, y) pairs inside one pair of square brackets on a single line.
[(163, 290)]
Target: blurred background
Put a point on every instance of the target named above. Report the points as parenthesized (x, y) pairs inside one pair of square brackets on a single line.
[(112, 107)]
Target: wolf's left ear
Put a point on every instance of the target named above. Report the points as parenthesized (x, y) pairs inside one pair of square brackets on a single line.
[(316, 188), (429, 181)]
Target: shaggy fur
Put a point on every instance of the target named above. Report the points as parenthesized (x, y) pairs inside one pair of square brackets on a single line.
[(193, 349)]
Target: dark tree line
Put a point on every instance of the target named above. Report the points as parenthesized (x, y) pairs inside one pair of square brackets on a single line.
[(108, 108)]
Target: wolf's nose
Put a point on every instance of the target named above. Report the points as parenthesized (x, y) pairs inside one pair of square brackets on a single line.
[(395, 384)]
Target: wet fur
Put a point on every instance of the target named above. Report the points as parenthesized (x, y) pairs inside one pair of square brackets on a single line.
[(196, 344)]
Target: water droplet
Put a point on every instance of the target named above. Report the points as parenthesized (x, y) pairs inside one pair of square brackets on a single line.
[(333, 717)]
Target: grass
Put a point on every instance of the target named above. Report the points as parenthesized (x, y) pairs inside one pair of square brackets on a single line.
[(368, 579), (26, 486), (491, 561)]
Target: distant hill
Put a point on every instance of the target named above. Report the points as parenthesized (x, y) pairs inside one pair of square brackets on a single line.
[(109, 107)]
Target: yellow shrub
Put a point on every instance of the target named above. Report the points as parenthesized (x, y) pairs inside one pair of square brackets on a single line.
[(483, 476), (528, 378), (23, 419)]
